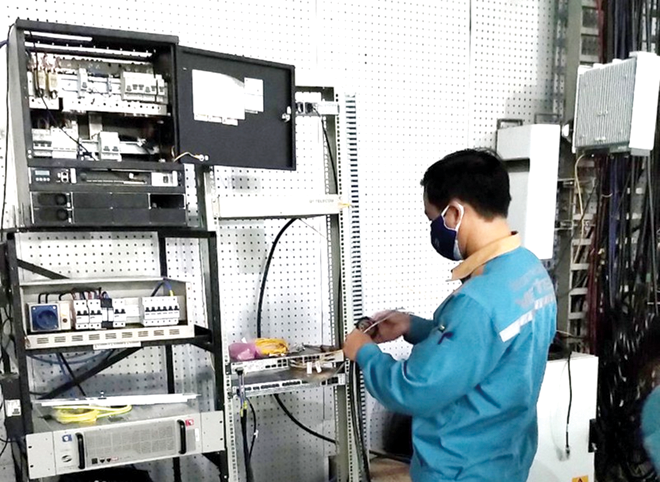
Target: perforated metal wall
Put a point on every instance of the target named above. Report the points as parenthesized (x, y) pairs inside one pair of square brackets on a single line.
[(424, 87), (511, 63)]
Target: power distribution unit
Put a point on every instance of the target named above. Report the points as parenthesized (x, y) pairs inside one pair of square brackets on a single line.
[(93, 127), (144, 434)]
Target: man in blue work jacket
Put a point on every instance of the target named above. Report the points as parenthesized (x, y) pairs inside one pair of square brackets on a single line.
[(473, 377)]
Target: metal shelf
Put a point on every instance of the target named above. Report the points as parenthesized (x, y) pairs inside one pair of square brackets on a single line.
[(202, 339)]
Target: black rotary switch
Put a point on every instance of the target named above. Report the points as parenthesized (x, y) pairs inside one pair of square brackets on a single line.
[(62, 214), (61, 199)]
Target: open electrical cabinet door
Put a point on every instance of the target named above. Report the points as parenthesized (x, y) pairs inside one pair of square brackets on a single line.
[(235, 111)]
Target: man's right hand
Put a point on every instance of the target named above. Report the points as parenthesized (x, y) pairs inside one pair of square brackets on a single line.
[(395, 324)]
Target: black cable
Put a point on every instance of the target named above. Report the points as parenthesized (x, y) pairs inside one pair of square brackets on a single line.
[(4, 448), (570, 403), (246, 450), (158, 286), (333, 165), (300, 424), (654, 244), (356, 420), (254, 428), (74, 379), (262, 288)]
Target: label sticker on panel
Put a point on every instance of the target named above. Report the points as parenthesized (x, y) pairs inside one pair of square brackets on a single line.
[(12, 408), (254, 95), (584, 478)]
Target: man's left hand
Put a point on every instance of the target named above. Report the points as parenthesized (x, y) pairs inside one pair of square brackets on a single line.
[(354, 341)]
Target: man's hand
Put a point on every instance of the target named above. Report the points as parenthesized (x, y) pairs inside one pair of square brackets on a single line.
[(353, 342), (394, 325)]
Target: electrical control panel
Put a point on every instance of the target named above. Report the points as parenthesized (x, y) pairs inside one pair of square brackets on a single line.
[(103, 312), (94, 127), (104, 120)]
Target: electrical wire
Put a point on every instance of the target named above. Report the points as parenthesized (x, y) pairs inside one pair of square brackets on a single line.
[(87, 413), (333, 165), (80, 359), (247, 458), (199, 157), (356, 420), (300, 425), (4, 447), (43, 100), (264, 278), (73, 376), (570, 403), (163, 284), (271, 346), (255, 429)]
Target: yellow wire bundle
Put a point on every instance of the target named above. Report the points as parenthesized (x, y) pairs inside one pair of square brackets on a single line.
[(271, 346), (87, 413)]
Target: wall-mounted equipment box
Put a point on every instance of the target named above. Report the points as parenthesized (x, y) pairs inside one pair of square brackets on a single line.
[(531, 156), (617, 104)]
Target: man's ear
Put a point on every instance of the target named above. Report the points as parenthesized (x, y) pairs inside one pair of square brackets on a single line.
[(453, 215)]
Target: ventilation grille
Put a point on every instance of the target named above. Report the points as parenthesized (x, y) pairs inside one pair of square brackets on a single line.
[(116, 445)]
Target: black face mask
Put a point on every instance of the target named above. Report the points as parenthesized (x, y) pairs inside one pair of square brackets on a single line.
[(445, 239)]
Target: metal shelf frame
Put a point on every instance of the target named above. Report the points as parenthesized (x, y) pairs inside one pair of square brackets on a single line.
[(338, 180), (208, 339)]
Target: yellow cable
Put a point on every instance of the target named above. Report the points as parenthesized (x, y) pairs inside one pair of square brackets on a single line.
[(271, 346), (86, 413)]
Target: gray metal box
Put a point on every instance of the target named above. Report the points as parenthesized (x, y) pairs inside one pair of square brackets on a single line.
[(144, 434)]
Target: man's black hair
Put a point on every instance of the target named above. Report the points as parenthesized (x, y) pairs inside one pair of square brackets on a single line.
[(475, 176)]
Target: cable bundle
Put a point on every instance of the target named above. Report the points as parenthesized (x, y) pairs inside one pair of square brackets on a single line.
[(623, 309), (87, 413)]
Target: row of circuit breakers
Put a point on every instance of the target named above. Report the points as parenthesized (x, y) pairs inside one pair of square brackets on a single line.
[(103, 313), (104, 121)]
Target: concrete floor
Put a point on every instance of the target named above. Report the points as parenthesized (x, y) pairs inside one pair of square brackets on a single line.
[(389, 471)]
